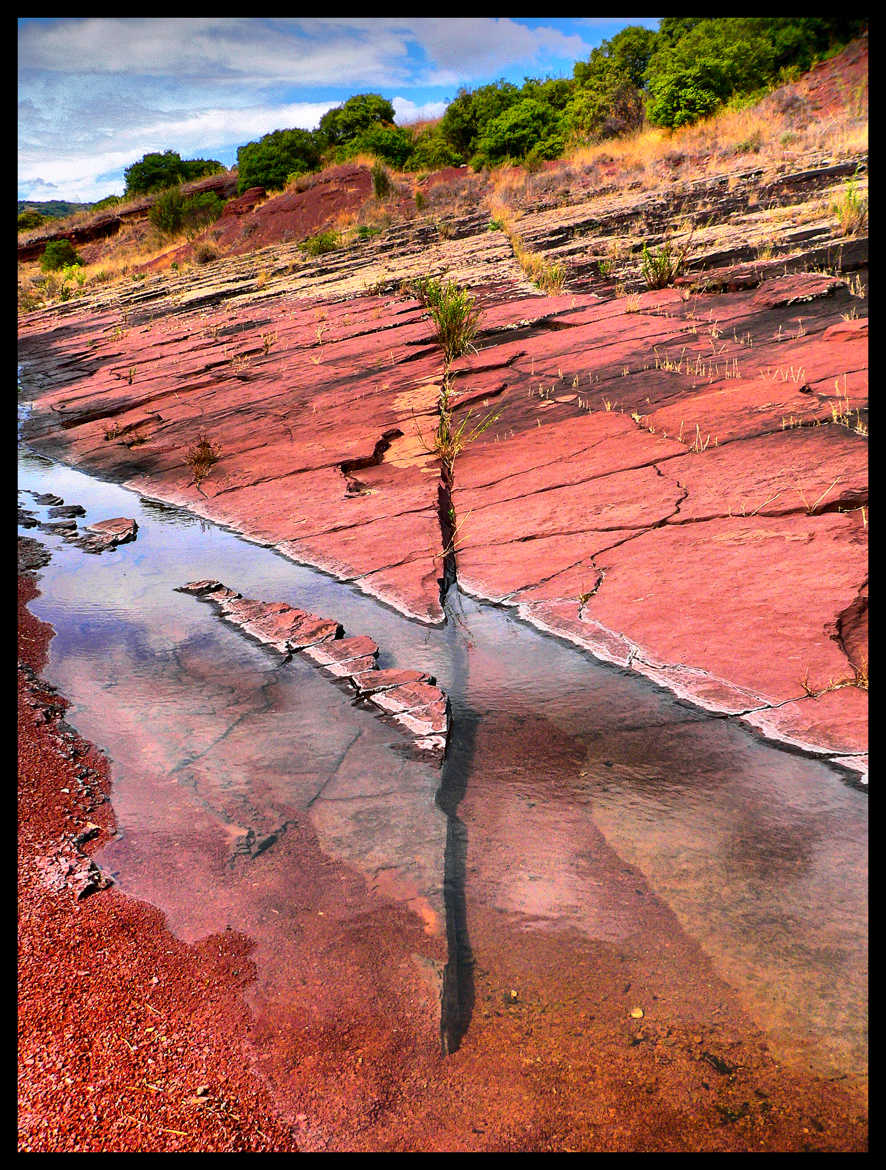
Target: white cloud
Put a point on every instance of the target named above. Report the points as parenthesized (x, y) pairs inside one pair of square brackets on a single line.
[(406, 111), (96, 94)]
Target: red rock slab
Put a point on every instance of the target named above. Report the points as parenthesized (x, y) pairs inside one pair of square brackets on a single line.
[(571, 620), (636, 498), (374, 681), (413, 587), (837, 719), (205, 587), (120, 530), (351, 669), (425, 721), (744, 599), (342, 650), (547, 566), (734, 408), (794, 289), (408, 697), (560, 452), (802, 469), (278, 624)]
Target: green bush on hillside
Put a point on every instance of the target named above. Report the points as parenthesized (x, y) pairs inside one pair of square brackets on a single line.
[(59, 254), (273, 158), (30, 219), (524, 126), (173, 212), (156, 171), (392, 144), (351, 119)]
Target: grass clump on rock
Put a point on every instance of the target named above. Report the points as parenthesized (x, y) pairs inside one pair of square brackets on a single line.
[(453, 310), (202, 457)]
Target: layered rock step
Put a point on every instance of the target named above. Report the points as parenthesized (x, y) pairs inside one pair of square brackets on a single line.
[(61, 521), (409, 700)]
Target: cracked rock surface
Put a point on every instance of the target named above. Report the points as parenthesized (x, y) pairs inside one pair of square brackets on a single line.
[(674, 479)]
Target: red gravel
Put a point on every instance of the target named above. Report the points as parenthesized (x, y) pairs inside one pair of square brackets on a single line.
[(129, 1039)]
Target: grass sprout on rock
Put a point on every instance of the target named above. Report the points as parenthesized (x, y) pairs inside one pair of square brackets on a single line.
[(202, 457)]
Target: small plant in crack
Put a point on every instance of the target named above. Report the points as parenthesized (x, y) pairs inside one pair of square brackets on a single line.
[(453, 310), (858, 678), (661, 266), (202, 457), (851, 209)]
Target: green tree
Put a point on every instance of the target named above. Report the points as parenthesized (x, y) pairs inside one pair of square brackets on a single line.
[(467, 116), (155, 171), (391, 143), (431, 151), (527, 125), (699, 63), (713, 60), (607, 97), (356, 115), (269, 161)]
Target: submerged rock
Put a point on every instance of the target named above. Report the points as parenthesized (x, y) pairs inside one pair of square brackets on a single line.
[(408, 699)]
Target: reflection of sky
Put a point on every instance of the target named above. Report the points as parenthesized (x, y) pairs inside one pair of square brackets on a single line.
[(760, 853)]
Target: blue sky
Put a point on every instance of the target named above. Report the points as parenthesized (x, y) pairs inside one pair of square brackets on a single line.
[(96, 94)]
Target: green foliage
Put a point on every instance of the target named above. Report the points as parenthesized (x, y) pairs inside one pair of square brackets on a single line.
[(156, 171), (661, 266), (468, 114), (393, 144), (108, 201), (699, 63), (322, 242), (381, 180), (173, 212), (273, 158), (432, 152), (30, 219), (524, 126), (356, 115), (59, 254), (455, 314), (851, 209), (607, 98)]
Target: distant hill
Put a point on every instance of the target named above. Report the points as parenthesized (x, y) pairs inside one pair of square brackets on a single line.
[(54, 208)]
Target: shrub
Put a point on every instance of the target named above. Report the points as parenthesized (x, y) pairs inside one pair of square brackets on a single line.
[(851, 209), (172, 212), (202, 457), (381, 180), (392, 144), (30, 219), (272, 159), (322, 242), (205, 253), (431, 151), (662, 266), (455, 314), (59, 254)]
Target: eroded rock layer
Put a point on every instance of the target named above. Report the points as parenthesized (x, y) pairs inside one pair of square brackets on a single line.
[(408, 699)]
